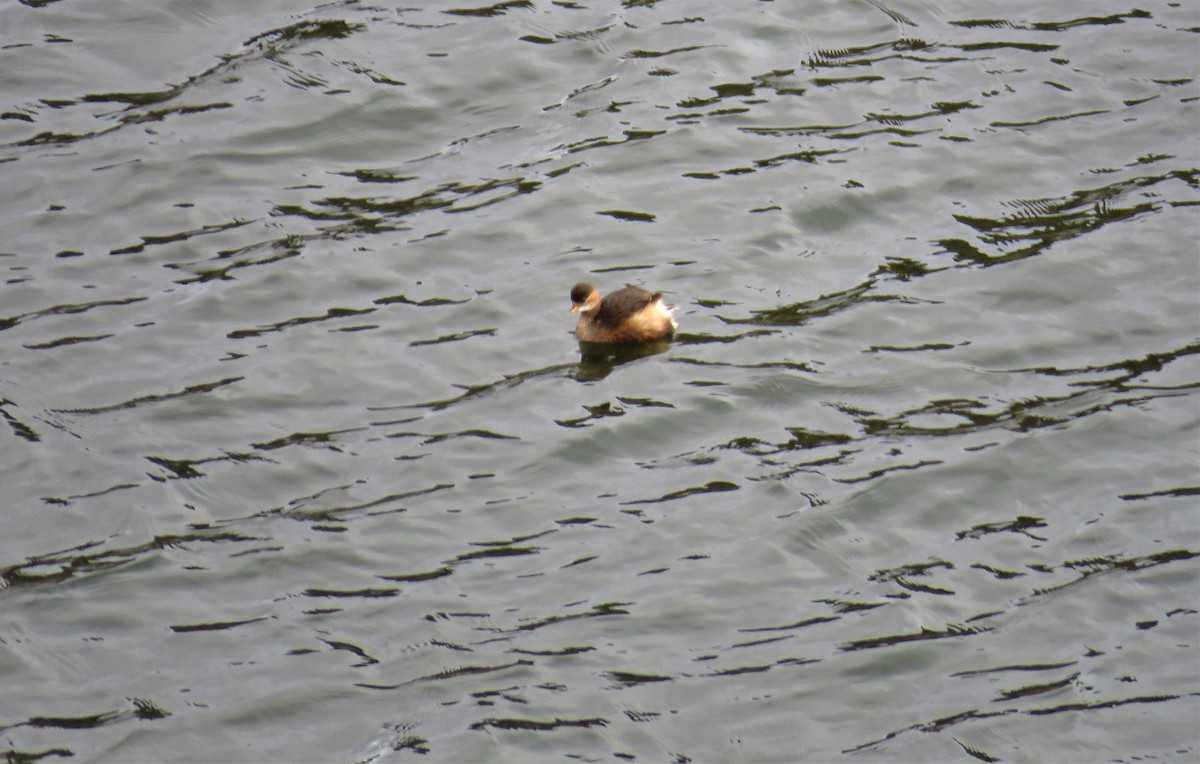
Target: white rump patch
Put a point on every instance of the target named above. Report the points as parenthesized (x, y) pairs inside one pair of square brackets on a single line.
[(662, 311)]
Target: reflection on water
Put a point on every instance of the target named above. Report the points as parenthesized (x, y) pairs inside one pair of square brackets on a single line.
[(597, 360), (304, 464)]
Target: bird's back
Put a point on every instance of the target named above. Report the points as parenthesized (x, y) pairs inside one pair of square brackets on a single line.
[(622, 305)]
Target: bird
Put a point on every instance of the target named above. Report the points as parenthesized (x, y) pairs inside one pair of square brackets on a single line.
[(630, 314)]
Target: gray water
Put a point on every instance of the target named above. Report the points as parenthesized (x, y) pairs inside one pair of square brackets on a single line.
[(302, 462)]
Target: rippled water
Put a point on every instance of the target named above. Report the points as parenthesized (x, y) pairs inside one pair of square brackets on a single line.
[(302, 462)]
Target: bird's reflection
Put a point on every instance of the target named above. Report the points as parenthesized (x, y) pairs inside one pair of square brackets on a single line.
[(597, 360)]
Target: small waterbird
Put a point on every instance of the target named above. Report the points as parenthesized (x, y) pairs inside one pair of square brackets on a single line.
[(630, 314)]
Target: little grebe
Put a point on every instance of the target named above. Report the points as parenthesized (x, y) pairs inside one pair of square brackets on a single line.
[(630, 314)]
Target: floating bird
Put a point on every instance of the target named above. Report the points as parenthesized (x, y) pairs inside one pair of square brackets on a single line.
[(630, 314)]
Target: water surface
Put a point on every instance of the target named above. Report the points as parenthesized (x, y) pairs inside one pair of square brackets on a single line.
[(302, 461)]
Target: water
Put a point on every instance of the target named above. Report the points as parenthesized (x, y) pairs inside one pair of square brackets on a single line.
[(302, 463)]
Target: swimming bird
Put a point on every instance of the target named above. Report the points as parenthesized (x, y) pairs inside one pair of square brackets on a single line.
[(630, 314)]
